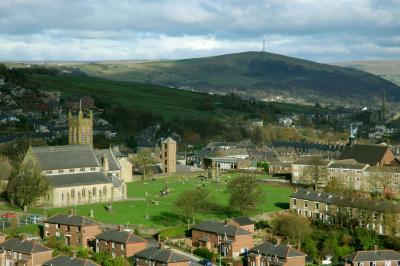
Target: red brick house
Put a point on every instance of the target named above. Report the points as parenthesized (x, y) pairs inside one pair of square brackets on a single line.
[(243, 222), (268, 254), (154, 256), (62, 260), (18, 252), (120, 243), (76, 230), (230, 240)]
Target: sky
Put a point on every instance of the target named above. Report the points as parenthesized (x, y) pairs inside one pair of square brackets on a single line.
[(86, 30)]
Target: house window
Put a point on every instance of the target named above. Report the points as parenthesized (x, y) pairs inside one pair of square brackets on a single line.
[(82, 169), (372, 263), (93, 168), (78, 229), (317, 205), (94, 191), (71, 170), (122, 246), (112, 245), (61, 171), (83, 193), (104, 190), (72, 193), (46, 225), (68, 228), (49, 172), (294, 202), (305, 204), (57, 234)]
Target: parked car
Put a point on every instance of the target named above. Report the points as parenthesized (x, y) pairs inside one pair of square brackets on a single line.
[(9, 215), (205, 262)]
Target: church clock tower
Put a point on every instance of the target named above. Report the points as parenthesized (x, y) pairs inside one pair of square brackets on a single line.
[(80, 129)]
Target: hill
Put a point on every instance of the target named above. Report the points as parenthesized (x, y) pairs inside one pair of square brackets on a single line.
[(258, 73), (389, 70)]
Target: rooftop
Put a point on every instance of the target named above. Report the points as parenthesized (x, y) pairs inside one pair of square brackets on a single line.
[(220, 228), (70, 220)]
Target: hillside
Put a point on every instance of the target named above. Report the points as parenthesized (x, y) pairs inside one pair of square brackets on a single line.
[(389, 70), (256, 72)]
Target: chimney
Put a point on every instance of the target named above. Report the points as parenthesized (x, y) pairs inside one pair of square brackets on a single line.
[(120, 228), (104, 163)]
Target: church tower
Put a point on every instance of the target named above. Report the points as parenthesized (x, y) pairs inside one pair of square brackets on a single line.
[(80, 129)]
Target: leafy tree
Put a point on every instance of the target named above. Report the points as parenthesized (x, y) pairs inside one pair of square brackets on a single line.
[(365, 239), (143, 159), (191, 202), (245, 195), (26, 186), (316, 172), (293, 227), (105, 259)]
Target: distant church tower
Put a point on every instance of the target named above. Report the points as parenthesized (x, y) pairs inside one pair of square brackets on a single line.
[(168, 155), (80, 129)]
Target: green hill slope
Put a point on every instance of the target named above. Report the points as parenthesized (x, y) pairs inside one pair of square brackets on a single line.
[(254, 71), (389, 70)]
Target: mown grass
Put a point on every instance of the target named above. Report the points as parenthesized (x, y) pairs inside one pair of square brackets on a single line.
[(147, 208)]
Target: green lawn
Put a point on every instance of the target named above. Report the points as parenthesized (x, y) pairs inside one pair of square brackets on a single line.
[(142, 210)]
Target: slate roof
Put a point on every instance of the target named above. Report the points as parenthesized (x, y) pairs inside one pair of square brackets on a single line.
[(386, 169), (219, 228), (120, 237), (372, 255), (78, 179), (65, 157), (243, 220), (70, 220), (307, 160), (371, 154), (384, 206), (340, 165), (281, 251), (63, 260), (161, 255), (113, 164), (23, 246), (314, 196)]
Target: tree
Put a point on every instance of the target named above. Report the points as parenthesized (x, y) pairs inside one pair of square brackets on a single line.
[(26, 186), (293, 227), (245, 194), (392, 223), (315, 172), (190, 202), (143, 159)]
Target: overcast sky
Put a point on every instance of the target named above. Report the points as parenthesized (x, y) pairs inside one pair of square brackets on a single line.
[(320, 30)]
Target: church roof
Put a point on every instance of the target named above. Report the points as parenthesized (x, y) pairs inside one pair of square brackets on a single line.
[(113, 164), (65, 157), (78, 179)]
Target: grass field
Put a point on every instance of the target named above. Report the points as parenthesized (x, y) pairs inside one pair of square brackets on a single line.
[(141, 210), (167, 102)]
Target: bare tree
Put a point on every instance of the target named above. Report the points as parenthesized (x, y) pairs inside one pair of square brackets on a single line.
[(143, 159), (315, 173)]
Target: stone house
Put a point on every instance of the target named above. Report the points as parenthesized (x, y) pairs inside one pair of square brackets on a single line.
[(268, 254), (227, 239), (120, 243), (348, 172), (154, 256), (373, 257), (377, 215), (300, 166), (77, 174), (18, 252), (76, 230), (243, 222), (280, 168)]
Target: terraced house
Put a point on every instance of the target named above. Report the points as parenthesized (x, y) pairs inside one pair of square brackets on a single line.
[(373, 257), (77, 174), (378, 215), (227, 239)]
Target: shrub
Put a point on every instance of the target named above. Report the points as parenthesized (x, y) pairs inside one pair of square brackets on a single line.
[(204, 253)]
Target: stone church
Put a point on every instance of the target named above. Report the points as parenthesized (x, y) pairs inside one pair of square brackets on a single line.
[(78, 173)]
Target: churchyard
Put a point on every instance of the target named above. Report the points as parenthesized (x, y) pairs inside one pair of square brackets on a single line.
[(146, 206)]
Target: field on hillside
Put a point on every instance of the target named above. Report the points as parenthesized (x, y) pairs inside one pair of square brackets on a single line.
[(146, 208), (389, 70), (167, 102)]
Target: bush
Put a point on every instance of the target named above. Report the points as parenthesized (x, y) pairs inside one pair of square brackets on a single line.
[(204, 253)]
